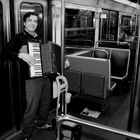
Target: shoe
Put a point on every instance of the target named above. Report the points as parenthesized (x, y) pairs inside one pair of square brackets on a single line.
[(45, 126), (23, 137), (27, 139)]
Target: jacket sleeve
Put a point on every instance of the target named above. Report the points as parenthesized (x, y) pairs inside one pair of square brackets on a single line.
[(11, 50)]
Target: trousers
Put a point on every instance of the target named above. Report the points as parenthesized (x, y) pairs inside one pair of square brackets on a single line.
[(38, 98)]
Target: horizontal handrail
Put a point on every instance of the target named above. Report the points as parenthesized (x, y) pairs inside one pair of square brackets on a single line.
[(71, 118)]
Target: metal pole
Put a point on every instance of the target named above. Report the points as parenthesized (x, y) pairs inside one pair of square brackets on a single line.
[(62, 33), (135, 77)]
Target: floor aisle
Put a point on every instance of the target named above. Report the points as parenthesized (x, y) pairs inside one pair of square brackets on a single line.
[(115, 116)]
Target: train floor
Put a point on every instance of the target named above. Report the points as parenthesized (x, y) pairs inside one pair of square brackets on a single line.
[(115, 115)]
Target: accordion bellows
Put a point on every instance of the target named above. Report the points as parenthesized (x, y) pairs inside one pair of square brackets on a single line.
[(51, 58)]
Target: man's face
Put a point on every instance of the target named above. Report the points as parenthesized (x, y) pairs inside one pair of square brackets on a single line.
[(31, 23)]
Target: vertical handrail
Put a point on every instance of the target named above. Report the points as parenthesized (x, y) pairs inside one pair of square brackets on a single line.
[(135, 78), (62, 32)]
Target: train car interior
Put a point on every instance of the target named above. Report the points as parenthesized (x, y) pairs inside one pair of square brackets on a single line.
[(95, 49)]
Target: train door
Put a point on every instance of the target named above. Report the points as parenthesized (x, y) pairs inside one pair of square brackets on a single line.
[(7, 123), (20, 7)]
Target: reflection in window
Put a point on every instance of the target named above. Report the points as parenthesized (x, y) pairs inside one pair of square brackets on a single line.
[(128, 27), (79, 28), (1, 31), (26, 7)]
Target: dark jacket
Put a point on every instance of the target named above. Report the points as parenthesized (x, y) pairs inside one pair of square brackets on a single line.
[(13, 47)]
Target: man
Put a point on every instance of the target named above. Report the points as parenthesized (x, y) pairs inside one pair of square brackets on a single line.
[(38, 95)]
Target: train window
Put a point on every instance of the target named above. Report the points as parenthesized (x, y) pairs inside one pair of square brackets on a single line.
[(1, 30), (26, 7), (108, 25), (128, 27), (79, 28)]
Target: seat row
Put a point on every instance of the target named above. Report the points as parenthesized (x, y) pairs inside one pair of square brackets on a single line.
[(96, 72)]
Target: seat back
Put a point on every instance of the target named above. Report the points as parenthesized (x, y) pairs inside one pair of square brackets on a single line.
[(74, 80), (113, 44), (120, 59), (93, 84), (120, 63), (98, 69), (98, 53)]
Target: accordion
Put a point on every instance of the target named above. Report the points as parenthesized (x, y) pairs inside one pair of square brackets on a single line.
[(47, 58)]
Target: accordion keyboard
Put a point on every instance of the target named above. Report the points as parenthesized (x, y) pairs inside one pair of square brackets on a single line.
[(34, 50)]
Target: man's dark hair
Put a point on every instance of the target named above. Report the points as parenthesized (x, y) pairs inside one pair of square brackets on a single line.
[(28, 15)]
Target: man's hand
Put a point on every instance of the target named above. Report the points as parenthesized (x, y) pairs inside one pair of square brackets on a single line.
[(27, 58)]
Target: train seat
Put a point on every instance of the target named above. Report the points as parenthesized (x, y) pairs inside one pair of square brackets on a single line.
[(90, 80), (123, 45), (96, 89), (113, 44), (120, 59), (120, 63), (98, 53), (96, 70), (74, 80)]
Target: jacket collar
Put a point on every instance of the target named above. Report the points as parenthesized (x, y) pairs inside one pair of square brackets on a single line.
[(30, 35)]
